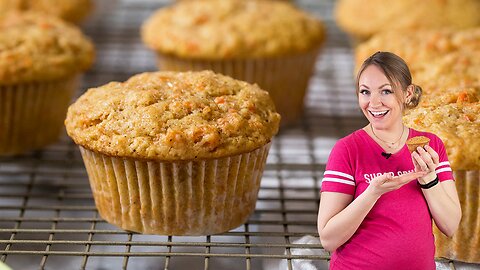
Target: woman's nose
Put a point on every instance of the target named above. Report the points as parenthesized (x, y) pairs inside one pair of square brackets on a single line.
[(375, 100)]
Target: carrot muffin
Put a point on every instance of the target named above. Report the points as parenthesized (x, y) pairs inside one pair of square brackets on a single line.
[(174, 153), (270, 43), (40, 59), (70, 10), (418, 141), (363, 19), (446, 63)]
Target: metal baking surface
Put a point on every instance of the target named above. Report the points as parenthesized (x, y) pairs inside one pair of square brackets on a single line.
[(48, 218)]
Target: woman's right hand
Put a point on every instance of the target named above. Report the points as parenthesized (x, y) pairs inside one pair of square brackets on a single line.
[(386, 182)]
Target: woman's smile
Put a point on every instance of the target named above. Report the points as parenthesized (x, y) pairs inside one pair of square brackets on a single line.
[(379, 114)]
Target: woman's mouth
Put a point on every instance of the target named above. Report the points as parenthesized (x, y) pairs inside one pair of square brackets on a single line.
[(378, 114)]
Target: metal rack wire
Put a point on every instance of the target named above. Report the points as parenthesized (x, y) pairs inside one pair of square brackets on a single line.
[(48, 218)]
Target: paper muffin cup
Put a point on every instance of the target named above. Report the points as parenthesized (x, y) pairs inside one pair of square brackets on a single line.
[(198, 197), (464, 244), (32, 114), (285, 77)]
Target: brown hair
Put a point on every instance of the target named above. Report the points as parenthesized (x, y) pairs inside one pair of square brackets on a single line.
[(397, 73)]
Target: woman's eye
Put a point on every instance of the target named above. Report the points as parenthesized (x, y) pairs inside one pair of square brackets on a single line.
[(387, 91), (364, 92)]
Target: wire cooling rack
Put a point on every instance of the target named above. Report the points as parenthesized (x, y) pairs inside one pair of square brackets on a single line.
[(48, 218)]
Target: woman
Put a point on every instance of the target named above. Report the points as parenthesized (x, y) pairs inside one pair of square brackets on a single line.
[(378, 200)]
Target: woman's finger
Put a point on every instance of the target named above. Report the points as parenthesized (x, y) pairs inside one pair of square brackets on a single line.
[(433, 154), (406, 178), (427, 158), (382, 179), (415, 164), (424, 154), (421, 163)]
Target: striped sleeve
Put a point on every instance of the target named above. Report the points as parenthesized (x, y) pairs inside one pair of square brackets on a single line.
[(443, 170), (338, 176)]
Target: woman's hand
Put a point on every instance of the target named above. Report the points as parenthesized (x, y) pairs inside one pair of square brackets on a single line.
[(387, 182), (425, 160)]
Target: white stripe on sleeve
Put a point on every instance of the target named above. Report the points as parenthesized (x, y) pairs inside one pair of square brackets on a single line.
[(447, 169), (443, 163), (338, 180), (339, 174)]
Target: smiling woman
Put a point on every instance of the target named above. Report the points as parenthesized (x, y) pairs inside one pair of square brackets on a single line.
[(368, 190)]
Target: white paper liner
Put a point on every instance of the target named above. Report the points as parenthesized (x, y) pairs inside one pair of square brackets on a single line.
[(32, 114), (465, 243), (176, 198)]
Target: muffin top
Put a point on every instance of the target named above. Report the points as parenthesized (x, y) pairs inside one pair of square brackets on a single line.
[(173, 116), (69, 10), (415, 142), (418, 140), (363, 19), (219, 29), (438, 59), (35, 47), (446, 64), (455, 118)]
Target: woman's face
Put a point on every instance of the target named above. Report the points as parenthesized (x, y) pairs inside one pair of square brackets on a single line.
[(377, 99)]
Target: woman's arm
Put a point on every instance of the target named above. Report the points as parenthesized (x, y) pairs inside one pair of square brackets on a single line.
[(442, 199), (444, 205), (339, 217)]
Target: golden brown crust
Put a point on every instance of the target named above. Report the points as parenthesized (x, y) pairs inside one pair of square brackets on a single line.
[(446, 64), (35, 47), (218, 29), (417, 141), (455, 118), (70, 10), (173, 116), (363, 19)]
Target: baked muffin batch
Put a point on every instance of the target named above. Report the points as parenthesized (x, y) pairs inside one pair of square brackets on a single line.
[(181, 151)]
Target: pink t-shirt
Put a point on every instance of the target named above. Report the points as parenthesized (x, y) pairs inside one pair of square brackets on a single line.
[(397, 232)]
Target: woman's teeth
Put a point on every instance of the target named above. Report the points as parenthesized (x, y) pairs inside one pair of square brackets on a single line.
[(379, 114)]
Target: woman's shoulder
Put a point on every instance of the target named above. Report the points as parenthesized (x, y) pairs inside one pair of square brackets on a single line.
[(352, 139)]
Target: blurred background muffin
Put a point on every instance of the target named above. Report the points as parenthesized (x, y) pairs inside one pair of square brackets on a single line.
[(270, 43), (73, 11), (40, 58), (174, 153), (446, 64), (362, 19)]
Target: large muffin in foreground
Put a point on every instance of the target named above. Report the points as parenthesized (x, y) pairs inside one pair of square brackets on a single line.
[(174, 153), (40, 58), (365, 18), (73, 11), (270, 43), (446, 64)]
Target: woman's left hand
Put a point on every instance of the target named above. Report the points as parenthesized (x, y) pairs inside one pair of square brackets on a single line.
[(425, 159)]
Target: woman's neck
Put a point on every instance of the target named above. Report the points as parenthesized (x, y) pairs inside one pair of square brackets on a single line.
[(390, 134), (390, 139)]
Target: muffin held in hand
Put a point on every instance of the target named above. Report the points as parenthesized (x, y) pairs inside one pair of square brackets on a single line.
[(270, 43), (417, 141), (69, 10), (174, 153), (40, 59)]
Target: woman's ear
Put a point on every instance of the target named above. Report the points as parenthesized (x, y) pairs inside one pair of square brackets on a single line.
[(409, 94)]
